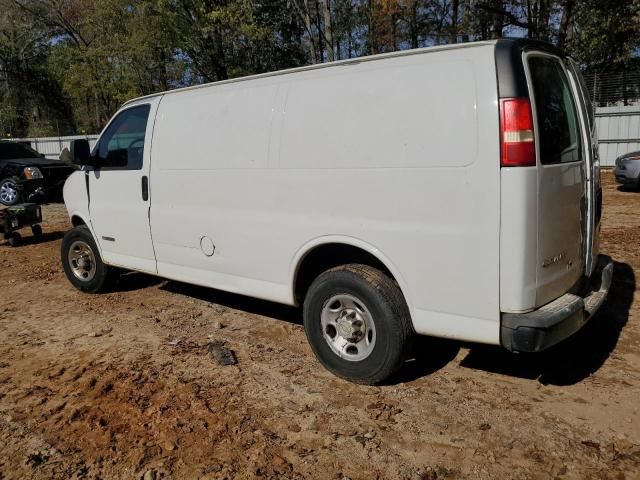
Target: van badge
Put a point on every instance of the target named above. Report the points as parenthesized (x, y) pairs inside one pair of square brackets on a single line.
[(547, 262)]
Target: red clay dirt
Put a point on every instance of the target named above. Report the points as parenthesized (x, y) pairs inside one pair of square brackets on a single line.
[(122, 385)]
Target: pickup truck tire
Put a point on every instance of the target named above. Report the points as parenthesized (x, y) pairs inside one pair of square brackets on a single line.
[(82, 262), (357, 323), (9, 192), (15, 239)]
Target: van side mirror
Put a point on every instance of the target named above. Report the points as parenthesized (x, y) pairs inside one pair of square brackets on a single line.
[(80, 151)]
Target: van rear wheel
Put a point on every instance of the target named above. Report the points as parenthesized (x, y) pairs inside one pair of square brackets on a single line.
[(82, 262), (357, 323)]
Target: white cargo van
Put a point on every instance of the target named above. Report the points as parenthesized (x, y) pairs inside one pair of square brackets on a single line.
[(449, 191)]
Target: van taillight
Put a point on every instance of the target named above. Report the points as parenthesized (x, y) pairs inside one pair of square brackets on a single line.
[(516, 131)]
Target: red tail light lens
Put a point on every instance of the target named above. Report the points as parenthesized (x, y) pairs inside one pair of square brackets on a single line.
[(516, 131)]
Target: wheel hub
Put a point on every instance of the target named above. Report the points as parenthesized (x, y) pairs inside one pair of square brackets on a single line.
[(8, 192), (350, 325), (82, 261)]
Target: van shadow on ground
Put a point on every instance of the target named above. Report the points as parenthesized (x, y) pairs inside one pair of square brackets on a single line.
[(579, 356), (565, 364), (237, 302), (627, 188), (132, 281), (27, 238)]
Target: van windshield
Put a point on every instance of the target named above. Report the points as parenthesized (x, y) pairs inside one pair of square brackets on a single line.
[(557, 120)]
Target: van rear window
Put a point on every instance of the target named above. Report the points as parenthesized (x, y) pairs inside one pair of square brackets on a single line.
[(557, 120)]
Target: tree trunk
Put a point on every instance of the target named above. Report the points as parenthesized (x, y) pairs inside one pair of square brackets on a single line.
[(319, 27), (542, 21), (350, 42), (455, 5), (373, 49), (328, 34), (394, 30), (466, 20), (498, 20), (565, 32), (307, 25), (413, 25)]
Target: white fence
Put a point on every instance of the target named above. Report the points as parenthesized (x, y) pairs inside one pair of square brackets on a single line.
[(618, 132), (51, 147)]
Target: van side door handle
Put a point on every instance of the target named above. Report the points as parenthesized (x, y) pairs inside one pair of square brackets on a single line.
[(145, 188)]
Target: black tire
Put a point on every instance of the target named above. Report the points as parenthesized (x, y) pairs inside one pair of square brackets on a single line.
[(382, 298), (94, 282), (11, 183), (36, 230), (15, 239)]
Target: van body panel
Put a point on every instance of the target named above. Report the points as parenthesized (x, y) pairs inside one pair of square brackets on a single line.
[(326, 159), (518, 238), (560, 262), (375, 115), (458, 327), (310, 246), (74, 193), (76, 199)]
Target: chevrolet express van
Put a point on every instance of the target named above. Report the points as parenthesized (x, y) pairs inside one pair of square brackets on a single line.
[(449, 191)]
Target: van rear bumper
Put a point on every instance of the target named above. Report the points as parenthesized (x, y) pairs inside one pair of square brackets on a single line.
[(548, 325)]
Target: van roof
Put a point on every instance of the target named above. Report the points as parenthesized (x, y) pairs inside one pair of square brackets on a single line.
[(513, 44)]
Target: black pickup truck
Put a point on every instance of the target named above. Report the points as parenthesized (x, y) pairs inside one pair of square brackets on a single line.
[(26, 175)]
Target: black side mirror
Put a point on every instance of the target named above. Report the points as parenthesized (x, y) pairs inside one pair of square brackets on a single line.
[(80, 151)]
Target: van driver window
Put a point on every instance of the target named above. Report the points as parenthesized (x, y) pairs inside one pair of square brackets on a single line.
[(122, 145)]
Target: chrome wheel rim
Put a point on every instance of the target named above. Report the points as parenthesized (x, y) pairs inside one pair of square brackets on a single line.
[(348, 328), (8, 192), (82, 261)]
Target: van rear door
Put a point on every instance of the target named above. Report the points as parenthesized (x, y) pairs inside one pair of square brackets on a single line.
[(562, 179), (593, 188)]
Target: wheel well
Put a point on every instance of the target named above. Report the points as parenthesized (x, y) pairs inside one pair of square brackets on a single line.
[(326, 257), (77, 221)]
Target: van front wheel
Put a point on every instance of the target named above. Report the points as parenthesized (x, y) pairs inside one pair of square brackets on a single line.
[(357, 323), (82, 262)]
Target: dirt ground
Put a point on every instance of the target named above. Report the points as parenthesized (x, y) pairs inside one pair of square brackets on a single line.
[(122, 385)]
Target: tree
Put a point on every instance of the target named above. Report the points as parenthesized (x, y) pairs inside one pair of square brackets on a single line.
[(32, 101), (606, 32), (67, 65)]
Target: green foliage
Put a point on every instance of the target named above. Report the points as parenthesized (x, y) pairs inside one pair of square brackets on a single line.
[(29, 94), (67, 65), (608, 34)]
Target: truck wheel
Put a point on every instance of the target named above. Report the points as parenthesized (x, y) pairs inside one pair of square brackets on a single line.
[(9, 193), (358, 323), (15, 239), (82, 262)]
